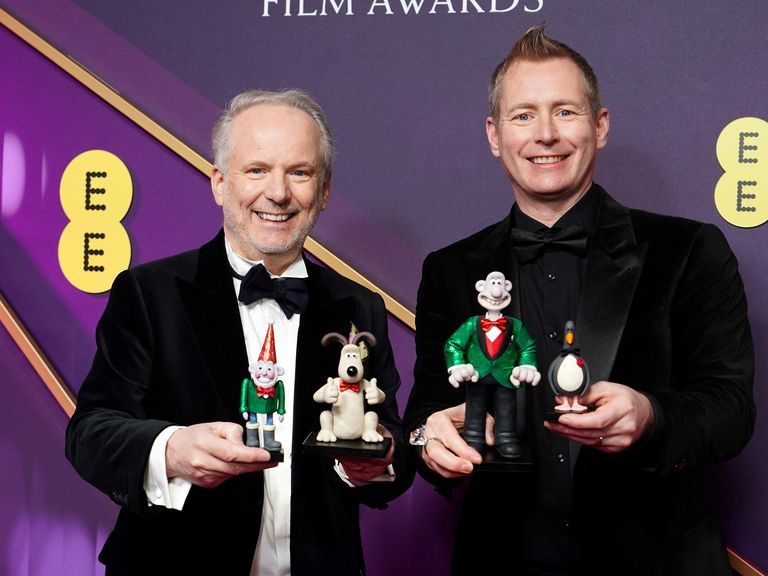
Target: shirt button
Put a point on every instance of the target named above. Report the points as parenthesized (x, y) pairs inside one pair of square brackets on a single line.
[(551, 276), (553, 335), (561, 458)]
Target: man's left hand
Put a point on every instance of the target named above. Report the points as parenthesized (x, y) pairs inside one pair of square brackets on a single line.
[(622, 417)]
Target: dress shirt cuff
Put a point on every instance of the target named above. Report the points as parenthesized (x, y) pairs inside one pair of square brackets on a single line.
[(387, 476), (159, 489)]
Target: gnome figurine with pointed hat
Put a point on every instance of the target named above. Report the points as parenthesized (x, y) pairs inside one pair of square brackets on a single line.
[(263, 393)]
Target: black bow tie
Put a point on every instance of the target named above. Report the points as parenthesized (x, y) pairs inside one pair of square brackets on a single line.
[(290, 293), (528, 245)]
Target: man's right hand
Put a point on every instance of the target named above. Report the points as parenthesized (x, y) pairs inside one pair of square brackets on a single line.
[(445, 452), (207, 454)]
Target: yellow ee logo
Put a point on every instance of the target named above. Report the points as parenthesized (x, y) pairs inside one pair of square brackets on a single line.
[(96, 192), (741, 194)]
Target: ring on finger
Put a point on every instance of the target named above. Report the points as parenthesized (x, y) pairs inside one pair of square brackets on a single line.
[(433, 439)]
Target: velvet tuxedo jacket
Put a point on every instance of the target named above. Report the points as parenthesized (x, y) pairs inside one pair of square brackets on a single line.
[(170, 351), (662, 310)]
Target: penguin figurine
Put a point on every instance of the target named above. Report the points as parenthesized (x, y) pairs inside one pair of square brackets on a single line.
[(569, 374)]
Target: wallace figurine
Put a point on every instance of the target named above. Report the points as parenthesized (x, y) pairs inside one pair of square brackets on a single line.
[(493, 355), (263, 393)]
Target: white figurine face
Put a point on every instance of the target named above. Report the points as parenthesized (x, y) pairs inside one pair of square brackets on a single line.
[(493, 292), (546, 135), (350, 364), (265, 373), (272, 189)]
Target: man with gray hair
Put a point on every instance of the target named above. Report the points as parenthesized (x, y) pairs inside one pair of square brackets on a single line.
[(158, 425)]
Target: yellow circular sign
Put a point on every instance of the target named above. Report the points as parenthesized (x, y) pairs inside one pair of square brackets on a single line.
[(91, 254), (96, 184), (741, 194), (96, 192)]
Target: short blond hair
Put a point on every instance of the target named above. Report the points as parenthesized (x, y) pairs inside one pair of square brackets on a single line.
[(535, 46)]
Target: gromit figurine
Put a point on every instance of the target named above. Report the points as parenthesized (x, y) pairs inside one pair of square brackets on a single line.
[(569, 374), (263, 393), (347, 419), (493, 355)]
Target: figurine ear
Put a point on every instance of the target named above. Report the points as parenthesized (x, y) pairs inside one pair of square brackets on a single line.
[(508, 286), (280, 370), (333, 337), (480, 285), (364, 336)]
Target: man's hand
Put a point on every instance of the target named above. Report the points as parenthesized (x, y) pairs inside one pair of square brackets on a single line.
[(462, 373), (445, 452), (361, 470), (207, 454), (623, 416)]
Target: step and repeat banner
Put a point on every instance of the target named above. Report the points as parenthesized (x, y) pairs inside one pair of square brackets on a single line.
[(404, 84)]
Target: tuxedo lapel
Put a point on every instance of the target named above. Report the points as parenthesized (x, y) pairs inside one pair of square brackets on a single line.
[(614, 264), (211, 306)]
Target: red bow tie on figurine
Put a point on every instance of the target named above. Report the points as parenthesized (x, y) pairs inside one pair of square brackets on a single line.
[(500, 323), (265, 392), (349, 386)]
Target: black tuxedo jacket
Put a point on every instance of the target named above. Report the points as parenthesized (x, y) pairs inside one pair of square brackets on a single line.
[(662, 310), (170, 351)]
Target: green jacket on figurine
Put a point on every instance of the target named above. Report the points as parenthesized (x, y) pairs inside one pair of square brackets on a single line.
[(258, 402), (518, 348)]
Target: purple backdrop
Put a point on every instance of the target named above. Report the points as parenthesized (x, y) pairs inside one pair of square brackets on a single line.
[(405, 94)]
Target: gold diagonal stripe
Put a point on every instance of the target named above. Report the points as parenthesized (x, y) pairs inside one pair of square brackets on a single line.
[(35, 355)]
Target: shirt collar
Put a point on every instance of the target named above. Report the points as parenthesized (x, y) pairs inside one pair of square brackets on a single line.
[(583, 213), (297, 268)]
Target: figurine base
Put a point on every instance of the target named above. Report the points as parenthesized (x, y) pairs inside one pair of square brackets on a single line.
[(492, 462), (346, 448), (275, 455), (554, 415)]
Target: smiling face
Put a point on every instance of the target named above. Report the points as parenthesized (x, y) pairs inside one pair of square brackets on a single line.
[(493, 293), (546, 135), (272, 189), (265, 373)]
